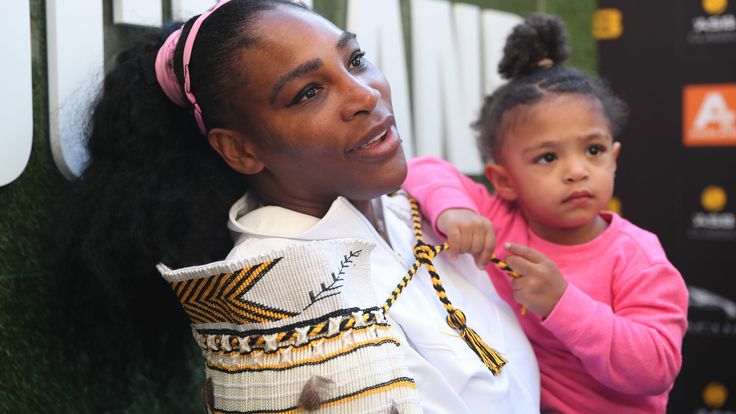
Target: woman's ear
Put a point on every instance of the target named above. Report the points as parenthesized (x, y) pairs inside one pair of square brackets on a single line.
[(499, 177), (237, 149)]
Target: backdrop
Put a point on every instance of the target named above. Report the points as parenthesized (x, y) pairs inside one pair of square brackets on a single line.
[(674, 62)]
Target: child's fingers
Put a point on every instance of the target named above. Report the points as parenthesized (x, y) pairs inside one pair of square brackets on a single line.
[(478, 239), (454, 223), (454, 241), (467, 232), (487, 243), (461, 240), (520, 265), (525, 252)]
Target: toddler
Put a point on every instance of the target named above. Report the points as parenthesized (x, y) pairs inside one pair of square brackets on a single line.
[(607, 309)]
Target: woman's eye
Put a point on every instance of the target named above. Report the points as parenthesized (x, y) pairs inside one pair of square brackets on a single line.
[(356, 60), (310, 93), (306, 94), (546, 158)]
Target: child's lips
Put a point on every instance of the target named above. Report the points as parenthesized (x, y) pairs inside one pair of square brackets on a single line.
[(578, 196)]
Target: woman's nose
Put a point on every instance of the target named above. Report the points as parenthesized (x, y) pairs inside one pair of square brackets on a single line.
[(360, 97)]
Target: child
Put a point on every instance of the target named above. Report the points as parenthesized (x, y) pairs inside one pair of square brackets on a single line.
[(607, 309)]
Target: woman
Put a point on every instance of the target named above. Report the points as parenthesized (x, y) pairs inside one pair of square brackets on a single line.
[(304, 313)]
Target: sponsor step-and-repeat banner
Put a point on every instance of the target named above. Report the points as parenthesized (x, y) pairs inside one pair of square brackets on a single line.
[(674, 62)]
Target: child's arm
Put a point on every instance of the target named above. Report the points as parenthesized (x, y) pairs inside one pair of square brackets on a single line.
[(438, 186), (451, 202), (633, 344)]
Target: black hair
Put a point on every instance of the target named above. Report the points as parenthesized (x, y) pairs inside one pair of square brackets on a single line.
[(153, 191), (213, 81), (532, 62)]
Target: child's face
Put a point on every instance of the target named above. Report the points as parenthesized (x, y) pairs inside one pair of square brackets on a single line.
[(558, 160)]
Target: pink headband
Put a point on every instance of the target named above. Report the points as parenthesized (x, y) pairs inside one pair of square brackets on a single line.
[(165, 67)]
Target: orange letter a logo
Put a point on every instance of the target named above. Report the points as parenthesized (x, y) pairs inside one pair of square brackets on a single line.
[(709, 117)]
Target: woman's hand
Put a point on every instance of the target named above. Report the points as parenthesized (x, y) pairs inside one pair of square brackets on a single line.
[(541, 284), (468, 232)]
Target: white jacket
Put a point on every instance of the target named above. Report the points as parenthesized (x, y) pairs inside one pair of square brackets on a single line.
[(449, 377)]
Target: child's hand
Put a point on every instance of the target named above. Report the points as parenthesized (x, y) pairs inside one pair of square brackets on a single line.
[(541, 284), (468, 232)]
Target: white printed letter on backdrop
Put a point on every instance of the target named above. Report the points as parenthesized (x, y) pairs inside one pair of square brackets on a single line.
[(75, 65), (442, 108), (16, 110), (378, 25), (182, 10), (137, 12)]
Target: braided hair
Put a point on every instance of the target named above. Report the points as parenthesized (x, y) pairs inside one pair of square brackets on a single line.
[(532, 64), (153, 191)]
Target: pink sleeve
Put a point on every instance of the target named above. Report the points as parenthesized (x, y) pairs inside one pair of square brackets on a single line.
[(634, 345), (438, 186)]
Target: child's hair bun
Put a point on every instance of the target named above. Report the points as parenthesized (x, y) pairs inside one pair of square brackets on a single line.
[(537, 43)]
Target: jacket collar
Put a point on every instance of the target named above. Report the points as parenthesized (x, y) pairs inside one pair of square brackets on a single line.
[(342, 220)]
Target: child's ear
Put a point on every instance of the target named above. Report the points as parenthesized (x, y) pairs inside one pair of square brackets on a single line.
[(502, 185), (616, 149), (237, 149)]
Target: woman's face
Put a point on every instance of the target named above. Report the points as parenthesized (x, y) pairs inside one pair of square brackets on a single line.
[(318, 112)]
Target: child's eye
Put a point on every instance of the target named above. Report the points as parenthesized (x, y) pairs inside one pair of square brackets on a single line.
[(306, 94), (546, 158), (356, 60), (596, 150)]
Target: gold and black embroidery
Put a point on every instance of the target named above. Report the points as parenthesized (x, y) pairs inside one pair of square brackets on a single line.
[(259, 357), (293, 336), (219, 298)]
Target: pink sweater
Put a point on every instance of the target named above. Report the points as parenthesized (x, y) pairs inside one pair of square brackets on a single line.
[(612, 343)]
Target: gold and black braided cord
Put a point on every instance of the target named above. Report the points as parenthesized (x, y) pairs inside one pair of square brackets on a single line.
[(423, 254), (505, 267), (509, 271), (400, 286)]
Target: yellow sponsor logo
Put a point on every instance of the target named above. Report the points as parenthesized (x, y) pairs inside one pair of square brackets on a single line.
[(713, 198), (607, 24), (715, 6), (715, 395), (614, 204)]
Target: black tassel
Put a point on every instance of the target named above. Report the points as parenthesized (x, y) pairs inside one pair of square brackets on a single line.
[(490, 357)]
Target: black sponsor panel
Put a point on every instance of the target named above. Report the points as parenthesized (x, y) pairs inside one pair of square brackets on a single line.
[(675, 64)]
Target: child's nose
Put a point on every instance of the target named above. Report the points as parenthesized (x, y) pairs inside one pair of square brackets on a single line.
[(576, 171)]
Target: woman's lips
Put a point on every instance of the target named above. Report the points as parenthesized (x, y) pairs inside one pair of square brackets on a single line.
[(373, 140), (379, 147)]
